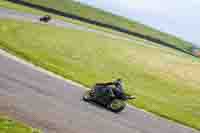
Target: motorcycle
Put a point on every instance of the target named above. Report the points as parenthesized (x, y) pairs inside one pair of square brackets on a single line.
[(45, 18), (107, 98)]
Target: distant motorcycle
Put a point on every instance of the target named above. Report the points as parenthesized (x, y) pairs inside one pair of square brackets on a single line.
[(107, 99), (45, 18)]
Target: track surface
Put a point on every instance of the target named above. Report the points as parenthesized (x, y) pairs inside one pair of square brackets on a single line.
[(54, 104)]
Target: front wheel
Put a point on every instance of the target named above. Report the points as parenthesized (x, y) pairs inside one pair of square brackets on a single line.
[(87, 96), (116, 105)]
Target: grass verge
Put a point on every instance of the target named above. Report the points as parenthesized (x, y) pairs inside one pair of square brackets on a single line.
[(80, 9), (20, 8), (164, 81), (10, 126)]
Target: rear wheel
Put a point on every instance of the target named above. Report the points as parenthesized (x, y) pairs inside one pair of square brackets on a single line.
[(116, 105)]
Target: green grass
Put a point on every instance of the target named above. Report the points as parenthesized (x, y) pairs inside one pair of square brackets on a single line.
[(10, 126), (24, 9), (164, 81), (20, 8), (97, 14)]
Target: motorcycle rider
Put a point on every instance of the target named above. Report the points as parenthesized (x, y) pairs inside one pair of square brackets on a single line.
[(105, 87)]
